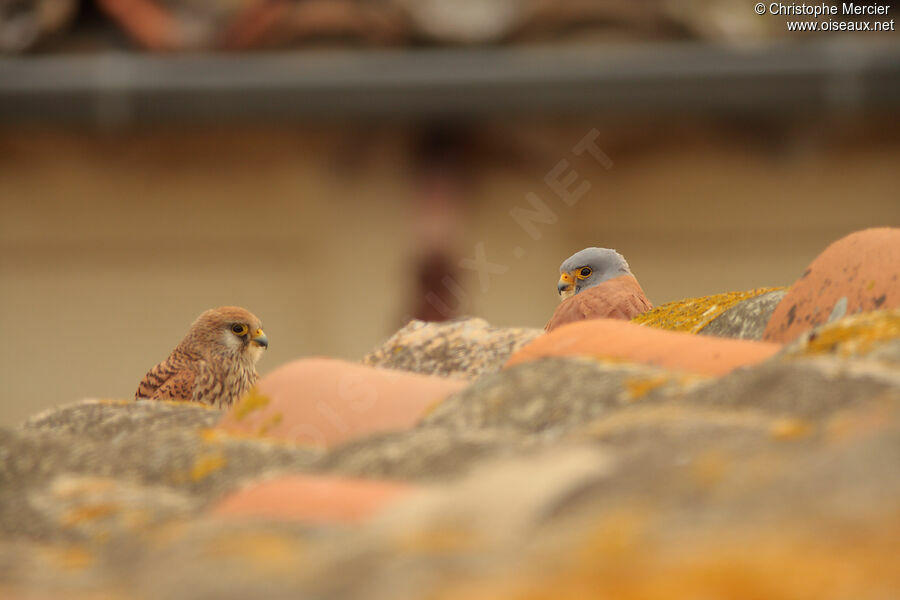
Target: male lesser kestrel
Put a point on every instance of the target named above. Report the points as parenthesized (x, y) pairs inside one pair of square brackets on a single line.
[(214, 364), (596, 283)]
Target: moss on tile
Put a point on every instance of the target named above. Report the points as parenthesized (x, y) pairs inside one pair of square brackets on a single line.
[(251, 402), (90, 512), (272, 421), (263, 551), (788, 429), (438, 540), (693, 314), (855, 335), (206, 464), (638, 387), (69, 557)]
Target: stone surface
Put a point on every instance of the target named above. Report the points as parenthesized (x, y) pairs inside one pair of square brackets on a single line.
[(422, 454), (747, 319), (708, 517), (136, 452), (321, 402), (311, 498), (804, 389), (857, 273), (693, 315), (550, 396), (105, 419), (814, 518), (558, 477), (465, 348), (612, 339)]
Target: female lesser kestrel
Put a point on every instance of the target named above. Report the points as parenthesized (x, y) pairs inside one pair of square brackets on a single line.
[(214, 364)]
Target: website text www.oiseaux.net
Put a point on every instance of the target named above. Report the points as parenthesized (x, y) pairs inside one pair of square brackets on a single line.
[(843, 16)]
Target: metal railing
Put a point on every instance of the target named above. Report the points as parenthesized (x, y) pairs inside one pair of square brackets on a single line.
[(787, 78)]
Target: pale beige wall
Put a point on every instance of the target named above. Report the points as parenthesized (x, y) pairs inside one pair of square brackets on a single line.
[(111, 244)]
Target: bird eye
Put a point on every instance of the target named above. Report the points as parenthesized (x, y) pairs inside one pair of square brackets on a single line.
[(239, 329), (584, 273)]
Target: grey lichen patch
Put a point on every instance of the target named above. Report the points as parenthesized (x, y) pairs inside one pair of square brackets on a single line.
[(145, 443), (802, 389), (465, 348), (839, 311), (102, 419), (546, 396), (98, 508), (747, 319), (657, 418), (421, 454)]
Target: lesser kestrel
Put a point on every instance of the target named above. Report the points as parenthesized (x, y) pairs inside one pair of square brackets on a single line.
[(596, 283), (214, 364)]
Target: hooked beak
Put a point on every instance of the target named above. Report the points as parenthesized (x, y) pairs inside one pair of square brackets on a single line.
[(566, 285), (260, 339)]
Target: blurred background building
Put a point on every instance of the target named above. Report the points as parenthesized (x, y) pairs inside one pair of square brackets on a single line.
[(340, 166)]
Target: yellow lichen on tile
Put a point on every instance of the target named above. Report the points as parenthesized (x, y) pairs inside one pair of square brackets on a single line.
[(791, 429), (180, 403), (206, 464), (70, 558), (88, 513), (251, 402), (776, 562), (693, 314), (709, 468), (213, 436), (855, 335), (221, 436), (438, 540), (672, 416), (270, 423), (266, 552), (879, 415), (638, 387), (429, 410), (618, 534)]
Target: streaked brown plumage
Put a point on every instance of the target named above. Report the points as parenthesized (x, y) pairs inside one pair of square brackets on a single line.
[(214, 364), (617, 298)]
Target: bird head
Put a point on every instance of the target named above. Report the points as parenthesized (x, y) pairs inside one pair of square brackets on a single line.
[(230, 330), (589, 267)]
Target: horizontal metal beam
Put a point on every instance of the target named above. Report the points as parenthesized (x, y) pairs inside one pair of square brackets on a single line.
[(784, 78)]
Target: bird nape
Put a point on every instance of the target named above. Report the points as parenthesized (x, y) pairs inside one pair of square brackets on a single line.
[(596, 283), (214, 364)]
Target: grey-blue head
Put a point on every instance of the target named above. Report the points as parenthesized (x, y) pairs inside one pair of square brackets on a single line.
[(589, 267)]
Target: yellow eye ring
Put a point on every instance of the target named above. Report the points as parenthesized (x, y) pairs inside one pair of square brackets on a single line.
[(584, 273), (239, 329)]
